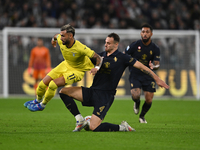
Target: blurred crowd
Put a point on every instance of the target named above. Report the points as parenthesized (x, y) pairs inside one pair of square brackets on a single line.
[(112, 14)]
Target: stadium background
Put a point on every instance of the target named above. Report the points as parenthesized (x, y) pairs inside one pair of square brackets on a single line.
[(177, 53)]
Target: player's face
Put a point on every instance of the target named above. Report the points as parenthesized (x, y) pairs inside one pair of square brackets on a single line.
[(65, 37), (110, 45), (40, 42), (146, 34)]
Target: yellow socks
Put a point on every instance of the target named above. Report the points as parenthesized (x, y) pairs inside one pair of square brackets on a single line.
[(41, 89), (50, 92)]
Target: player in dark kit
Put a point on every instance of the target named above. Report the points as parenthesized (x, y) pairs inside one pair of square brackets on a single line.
[(101, 94), (147, 53)]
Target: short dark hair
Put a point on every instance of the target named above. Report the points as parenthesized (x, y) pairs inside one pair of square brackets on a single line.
[(115, 37), (147, 26), (68, 28)]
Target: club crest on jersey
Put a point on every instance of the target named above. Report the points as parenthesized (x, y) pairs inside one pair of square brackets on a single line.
[(139, 48), (107, 64), (73, 54), (151, 52), (144, 56), (115, 59)]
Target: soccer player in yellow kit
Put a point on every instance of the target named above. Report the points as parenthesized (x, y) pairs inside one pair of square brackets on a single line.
[(76, 62)]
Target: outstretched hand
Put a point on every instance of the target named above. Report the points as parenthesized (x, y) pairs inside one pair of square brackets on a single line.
[(162, 84), (151, 65), (93, 71)]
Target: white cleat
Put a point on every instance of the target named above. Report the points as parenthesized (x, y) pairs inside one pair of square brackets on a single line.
[(127, 126), (142, 120), (87, 127), (80, 125)]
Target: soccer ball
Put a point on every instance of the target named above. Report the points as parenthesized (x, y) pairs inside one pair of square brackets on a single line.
[(87, 118)]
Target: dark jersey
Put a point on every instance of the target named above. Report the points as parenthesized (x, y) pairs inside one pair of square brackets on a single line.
[(111, 70), (143, 54)]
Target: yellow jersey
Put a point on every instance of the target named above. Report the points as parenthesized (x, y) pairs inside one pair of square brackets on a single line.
[(78, 56)]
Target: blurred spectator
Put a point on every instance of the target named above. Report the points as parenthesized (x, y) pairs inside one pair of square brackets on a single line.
[(106, 20), (91, 21), (116, 14), (98, 10), (3, 20)]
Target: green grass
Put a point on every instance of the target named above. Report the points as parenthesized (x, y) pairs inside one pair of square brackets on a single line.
[(172, 125)]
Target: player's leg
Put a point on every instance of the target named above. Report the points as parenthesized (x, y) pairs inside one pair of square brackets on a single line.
[(135, 92), (41, 75), (67, 95), (135, 86), (49, 94), (40, 91), (102, 101), (146, 106), (96, 125), (53, 86), (57, 79), (148, 87), (42, 86)]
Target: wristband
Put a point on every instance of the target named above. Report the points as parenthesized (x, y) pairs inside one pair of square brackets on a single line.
[(97, 67)]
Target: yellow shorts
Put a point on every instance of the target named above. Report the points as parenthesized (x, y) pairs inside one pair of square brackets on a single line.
[(70, 75)]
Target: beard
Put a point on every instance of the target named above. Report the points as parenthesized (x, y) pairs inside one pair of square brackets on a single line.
[(66, 42), (145, 40)]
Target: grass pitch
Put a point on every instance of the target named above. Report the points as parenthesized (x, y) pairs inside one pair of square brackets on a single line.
[(172, 125)]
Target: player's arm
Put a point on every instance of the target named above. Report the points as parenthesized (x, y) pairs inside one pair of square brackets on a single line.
[(54, 40), (148, 71), (98, 59), (155, 65), (156, 60)]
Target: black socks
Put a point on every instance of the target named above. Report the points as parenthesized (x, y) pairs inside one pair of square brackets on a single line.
[(70, 104), (145, 109), (107, 127)]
